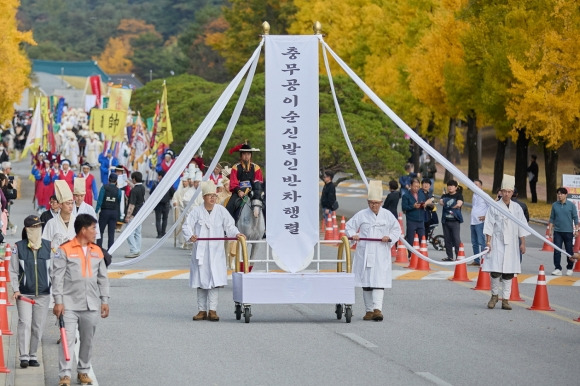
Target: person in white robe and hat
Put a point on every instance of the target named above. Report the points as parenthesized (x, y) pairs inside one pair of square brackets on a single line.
[(372, 260), (80, 206), (61, 228), (503, 238), (208, 270)]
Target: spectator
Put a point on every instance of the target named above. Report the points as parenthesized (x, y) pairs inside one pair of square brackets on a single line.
[(429, 216), (478, 210), (533, 172), (328, 197), (162, 208), (136, 200), (563, 227), (392, 201), (405, 180), (502, 236), (451, 218), (413, 205), (427, 169)]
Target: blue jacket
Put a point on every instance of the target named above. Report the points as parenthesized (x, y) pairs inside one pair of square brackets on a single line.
[(564, 216), (412, 213)]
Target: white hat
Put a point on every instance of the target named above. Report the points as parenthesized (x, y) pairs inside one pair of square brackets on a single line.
[(220, 184), (79, 186), (226, 171), (375, 190), (185, 176), (207, 187), (508, 182), (192, 168), (198, 176), (62, 191)]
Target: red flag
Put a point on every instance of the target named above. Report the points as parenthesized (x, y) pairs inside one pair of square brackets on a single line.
[(96, 88)]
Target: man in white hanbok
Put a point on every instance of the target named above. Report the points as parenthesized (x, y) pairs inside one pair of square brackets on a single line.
[(372, 259), (80, 206), (503, 239), (61, 228), (208, 264)]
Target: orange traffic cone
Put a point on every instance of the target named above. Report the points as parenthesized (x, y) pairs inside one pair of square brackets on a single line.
[(402, 255), (334, 227), (547, 247), (7, 258), (3, 368), (461, 252), (4, 328), (328, 235), (460, 273), (342, 230), (414, 258), (423, 265), (515, 295), (4, 285), (576, 266), (483, 280), (401, 224), (541, 302), (576, 248)]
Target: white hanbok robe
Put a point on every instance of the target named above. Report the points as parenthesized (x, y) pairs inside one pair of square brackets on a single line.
[(372, 260), (187, 195), (57, 232), (505, 245), (92, 152), (87, 209), (208, 262)]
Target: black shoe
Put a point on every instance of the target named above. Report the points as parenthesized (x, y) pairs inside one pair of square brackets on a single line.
[(33, 363), (159, 236), (24, 364), (447, 259)]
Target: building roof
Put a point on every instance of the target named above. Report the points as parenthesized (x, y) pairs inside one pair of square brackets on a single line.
[(125, 80), (86, 69)]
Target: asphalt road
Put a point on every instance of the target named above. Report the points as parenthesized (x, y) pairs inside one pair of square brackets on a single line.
[(435, 331)]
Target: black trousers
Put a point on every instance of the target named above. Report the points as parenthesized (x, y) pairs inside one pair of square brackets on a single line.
[(161, 215), (452, 236), (533, 191), (108, 218)]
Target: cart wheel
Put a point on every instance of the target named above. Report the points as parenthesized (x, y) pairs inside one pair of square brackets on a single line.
[(338, 311), (238, 311), (439, 242), (348, 314), (247, 314)]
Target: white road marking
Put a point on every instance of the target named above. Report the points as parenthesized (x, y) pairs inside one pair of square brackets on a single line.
[(357, 339), (433, 378)]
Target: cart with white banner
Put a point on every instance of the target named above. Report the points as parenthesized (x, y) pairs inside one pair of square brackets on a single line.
[(305, 287)]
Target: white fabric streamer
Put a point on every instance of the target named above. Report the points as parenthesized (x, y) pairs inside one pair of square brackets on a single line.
[(456, 262), (341, 121), (431, 151), (188, 151)]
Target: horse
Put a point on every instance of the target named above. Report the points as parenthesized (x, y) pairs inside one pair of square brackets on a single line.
[(251, 221)]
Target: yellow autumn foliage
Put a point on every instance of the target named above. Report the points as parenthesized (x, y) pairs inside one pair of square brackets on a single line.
[(14, 65)]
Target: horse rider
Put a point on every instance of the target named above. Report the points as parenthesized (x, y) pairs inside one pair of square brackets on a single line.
[(245, 177)]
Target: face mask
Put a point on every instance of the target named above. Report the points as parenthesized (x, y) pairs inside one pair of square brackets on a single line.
[(34, 237)]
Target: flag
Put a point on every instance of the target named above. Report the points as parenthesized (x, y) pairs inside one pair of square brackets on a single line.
[(139, 145), (165, 135), (155, 123), (119, 99), (96, 88), (109, 122), (35, 133)]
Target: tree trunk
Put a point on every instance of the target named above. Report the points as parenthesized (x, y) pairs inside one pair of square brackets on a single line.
[(498, 165), (521, 174), (449, 154), (551, 161), (472, 153)]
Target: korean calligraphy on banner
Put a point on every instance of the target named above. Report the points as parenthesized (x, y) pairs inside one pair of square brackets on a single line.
[(292, 148)]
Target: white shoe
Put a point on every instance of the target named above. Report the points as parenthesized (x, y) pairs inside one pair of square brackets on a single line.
[(557, 272), (569, 272)]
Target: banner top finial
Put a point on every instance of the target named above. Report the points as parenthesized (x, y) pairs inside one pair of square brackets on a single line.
[(266, 28), (317, 27)]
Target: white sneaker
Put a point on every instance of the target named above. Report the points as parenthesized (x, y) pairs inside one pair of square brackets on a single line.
[(557, 272), (569, 272)]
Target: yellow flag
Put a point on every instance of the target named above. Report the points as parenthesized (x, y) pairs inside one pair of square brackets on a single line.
[(109, 122), (164, 133), (44, 109), (119, 99)]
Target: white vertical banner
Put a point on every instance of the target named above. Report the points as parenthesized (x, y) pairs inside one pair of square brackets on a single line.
[(292, 148), (572, 183)]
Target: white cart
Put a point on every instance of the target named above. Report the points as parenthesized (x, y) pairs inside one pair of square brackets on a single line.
[(295, 288)]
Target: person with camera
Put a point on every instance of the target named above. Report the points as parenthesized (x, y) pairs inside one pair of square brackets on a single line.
[(451, 218), (413, 205)]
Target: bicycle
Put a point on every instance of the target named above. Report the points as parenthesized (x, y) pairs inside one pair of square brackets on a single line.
[(438, 241)]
